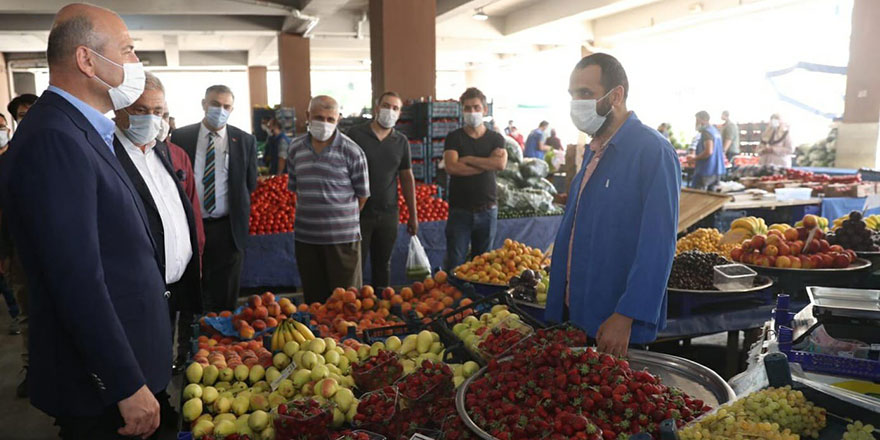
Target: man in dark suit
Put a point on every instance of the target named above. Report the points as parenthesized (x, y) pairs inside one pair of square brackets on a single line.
[(225, 165), (101, 351), (169, 211)]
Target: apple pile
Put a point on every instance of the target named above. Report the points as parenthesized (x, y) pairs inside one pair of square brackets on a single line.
[(430, 207), (273, 207), (790, 250)]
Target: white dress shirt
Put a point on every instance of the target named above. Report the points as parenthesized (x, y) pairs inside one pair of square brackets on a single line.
[(163, 189), (221, 171)]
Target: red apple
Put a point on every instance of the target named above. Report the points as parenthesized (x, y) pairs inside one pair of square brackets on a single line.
[(758, 242), (841, 261), (836, 248), (736, 255), (824, 246), (783, 262), (803, 233), (827, 260), (791, 234), (784, 249), (811, 221)]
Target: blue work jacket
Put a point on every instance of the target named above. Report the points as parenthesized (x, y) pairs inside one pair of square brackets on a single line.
[(625, 235)]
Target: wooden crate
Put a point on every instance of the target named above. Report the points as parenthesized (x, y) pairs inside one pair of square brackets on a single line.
[(695, 205)]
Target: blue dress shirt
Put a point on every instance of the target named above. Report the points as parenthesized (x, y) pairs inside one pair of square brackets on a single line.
[(625, 236), (102, 124)]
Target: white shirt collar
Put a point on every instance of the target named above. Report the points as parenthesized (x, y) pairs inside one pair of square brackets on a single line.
[(130, 146), (203, 131)]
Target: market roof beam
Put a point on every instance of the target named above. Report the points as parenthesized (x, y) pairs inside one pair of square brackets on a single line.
[(164, 23)]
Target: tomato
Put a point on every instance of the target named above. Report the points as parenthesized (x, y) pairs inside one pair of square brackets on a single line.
[(273, 207)]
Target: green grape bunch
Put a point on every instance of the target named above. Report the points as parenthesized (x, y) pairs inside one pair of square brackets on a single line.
[(858, 431)]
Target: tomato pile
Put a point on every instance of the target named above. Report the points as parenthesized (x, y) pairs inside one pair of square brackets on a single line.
[(273, 207), (430, 208), (556, 392)]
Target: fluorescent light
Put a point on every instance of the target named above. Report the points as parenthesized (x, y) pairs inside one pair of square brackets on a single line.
[(695, 8), (480, 15)]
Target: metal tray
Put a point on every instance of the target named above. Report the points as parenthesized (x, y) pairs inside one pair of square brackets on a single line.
[(859, 264), (847, 303), (692, 378), (765, 282)]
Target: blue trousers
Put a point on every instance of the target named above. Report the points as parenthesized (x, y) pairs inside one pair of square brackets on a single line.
[(464, 228)]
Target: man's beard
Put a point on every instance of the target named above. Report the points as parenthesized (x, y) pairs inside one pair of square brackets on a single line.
[(609, 121)]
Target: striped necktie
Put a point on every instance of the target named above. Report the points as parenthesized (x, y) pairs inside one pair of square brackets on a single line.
[(208, 179)]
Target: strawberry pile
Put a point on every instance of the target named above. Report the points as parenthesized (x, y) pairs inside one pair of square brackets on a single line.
[(377, 407), (499, 340), (425, 383), (556, 392), (352, 435), (303, 420), (378, 371), (273, 207), (565, 334)]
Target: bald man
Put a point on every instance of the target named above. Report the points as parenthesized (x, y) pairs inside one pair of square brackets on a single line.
[(100, 349), (328, 172), (224, 162)]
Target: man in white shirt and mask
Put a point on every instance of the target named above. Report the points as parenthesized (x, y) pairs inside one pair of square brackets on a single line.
[(147, 161)]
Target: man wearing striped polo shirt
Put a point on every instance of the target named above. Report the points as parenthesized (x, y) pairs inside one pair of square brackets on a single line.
[(328, 172)]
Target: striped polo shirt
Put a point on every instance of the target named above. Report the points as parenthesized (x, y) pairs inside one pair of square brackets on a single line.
[(327, 187)]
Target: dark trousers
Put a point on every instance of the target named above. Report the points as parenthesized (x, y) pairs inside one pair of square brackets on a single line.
[(324, 267), (221, 273), (378, 234), (465, 227), (183, 322), (105, 426), (9, 297)]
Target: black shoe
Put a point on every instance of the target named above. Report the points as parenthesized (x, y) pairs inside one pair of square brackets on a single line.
[(21, 392), (178, 366)]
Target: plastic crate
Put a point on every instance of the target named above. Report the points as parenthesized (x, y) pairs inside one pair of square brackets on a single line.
[(437, 148), (445, 109), (869, 175), (420, 170), (416, 149)]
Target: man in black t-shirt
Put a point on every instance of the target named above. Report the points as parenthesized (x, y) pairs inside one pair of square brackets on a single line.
[(388, 158), (472, 155)]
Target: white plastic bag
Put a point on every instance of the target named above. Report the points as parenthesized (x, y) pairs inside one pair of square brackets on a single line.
[(417, 265)]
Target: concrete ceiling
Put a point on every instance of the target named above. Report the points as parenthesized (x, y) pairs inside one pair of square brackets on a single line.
[(196, 32)]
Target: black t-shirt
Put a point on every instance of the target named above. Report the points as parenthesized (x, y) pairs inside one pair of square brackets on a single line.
[(477, 191), (385, 160)]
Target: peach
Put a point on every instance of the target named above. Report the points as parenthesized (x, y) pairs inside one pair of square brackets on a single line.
[(810, 221), (261, 312), (337, 293), (367, 291), (771, 250), (429, 283), (226, 314), (388, 292), (246, 333), (406, 293), (757, 242), (784, 249), (791, 234), (440, 277), (783, 262), (349, 296), (796, 262), (268, 298), (255, 301), (418, 288), (288, 308), (274, 309), (271, 322)]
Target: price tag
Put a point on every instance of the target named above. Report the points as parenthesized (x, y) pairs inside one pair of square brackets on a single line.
[(875, 347), (871, 202), (284, 375), (420, 437)]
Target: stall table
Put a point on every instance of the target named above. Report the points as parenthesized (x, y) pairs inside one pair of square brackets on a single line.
[(270, 260)]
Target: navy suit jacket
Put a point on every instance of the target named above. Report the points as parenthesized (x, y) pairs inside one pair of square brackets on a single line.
[(100, 317), (242, 173)]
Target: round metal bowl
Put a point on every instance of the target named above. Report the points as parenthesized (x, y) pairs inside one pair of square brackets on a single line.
[(694, 379), (859, 264), (763, 283)]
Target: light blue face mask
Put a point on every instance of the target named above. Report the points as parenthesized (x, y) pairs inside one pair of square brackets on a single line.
[(217, 116)]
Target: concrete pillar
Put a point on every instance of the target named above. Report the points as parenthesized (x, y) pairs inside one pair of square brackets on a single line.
[(403, 47), (5, 91), (257, 86), (294, 65), (858, 142)]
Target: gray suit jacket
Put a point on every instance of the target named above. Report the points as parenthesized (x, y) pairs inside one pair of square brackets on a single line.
[(242, 173)]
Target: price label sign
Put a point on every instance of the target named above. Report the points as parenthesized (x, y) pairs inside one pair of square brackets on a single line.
[(284, 375), (871, 202)]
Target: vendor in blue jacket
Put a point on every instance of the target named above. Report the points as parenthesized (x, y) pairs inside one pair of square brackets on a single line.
[(614, 248)]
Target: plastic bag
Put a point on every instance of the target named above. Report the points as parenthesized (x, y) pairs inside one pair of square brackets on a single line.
[(512, 175), (514, 153), (533, 167), (418, 267), (542, 184)]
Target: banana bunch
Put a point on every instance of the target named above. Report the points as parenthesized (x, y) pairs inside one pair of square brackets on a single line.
[(290, 330), (781, 227), (823, 223), (744, 228), (873, 222)]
